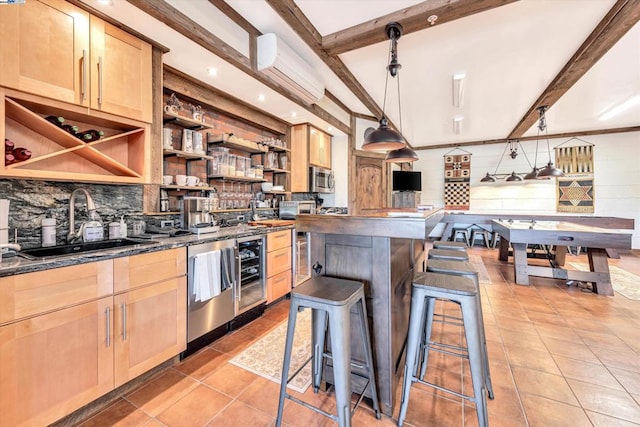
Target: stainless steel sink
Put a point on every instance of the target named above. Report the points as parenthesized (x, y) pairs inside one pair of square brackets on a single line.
[(82, 247)]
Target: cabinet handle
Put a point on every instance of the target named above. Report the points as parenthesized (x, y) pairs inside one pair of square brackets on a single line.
[(281, 255), (99, 80), (108, 328), (124, 321), (84, 74)]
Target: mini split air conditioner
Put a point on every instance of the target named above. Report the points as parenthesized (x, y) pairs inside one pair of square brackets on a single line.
[(289, 70)]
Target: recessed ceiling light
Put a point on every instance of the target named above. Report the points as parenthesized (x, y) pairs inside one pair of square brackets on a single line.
[(261, 97), (294, 114), (105, 2), (329, 128), (212, 71)]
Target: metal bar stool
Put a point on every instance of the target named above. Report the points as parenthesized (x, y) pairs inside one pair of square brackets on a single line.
[(331, 300), (462, 231), (449, 255), (464, 269), (452, 246), (485, 236), (426, 288)]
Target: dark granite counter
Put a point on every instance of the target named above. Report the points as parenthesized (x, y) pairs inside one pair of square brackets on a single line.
[(11, 265)]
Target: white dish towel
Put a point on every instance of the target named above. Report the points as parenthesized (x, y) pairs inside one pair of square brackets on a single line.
[(206, 275)]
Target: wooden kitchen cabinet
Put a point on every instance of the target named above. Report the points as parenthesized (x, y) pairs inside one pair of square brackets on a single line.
[(309, 147), (44, 50), (319, 148), (278, 264), (150, 326), (55, 363), (66, 339), (54, 49), (120, 72)]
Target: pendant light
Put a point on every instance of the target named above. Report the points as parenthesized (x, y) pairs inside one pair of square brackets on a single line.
[(402, 155), (549, 170), (384, 138)]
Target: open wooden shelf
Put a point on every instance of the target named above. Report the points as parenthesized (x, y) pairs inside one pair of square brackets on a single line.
[(184, 122), (235, 143), (187, 155), (119, 156), (236, 178)]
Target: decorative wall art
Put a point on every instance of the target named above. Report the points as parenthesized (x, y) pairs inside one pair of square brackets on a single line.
[(457, 173), (575, 191)]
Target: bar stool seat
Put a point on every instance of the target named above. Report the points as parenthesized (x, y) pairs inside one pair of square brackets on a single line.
[(452, 246), (447, 254), (331, 300), (466, 269), (426, 288)]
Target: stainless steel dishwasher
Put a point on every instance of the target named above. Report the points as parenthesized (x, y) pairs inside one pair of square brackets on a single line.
[(205, 316)]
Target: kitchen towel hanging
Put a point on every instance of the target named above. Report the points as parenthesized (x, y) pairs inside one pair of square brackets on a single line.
[(228, 268), (206, 275)]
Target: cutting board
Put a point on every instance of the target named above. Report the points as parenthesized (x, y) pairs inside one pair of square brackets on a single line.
[(273, 222)]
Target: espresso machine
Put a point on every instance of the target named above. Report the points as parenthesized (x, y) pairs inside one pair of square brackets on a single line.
[(196, 215)]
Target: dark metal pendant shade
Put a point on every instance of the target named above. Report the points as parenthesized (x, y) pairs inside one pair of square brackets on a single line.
[(533, 174), (402, 155), (488, 178), (550, 171), (382, 139), (513, 177)]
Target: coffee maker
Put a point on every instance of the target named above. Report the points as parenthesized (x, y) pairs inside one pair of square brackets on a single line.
[(196, 215)]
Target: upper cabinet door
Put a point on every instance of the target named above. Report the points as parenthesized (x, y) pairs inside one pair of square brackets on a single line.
[(45, 44), (319, 149), (120, 72)]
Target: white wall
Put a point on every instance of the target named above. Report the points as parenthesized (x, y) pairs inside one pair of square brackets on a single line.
[(617, 178)]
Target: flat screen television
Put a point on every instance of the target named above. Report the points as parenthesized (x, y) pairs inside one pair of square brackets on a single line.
[(407, 181)]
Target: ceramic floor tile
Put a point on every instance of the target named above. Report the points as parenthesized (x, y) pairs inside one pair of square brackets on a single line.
[(237, 411), (162, 391), (594, 373), (571, 349), (262, 394), (427, 410), (559, 332), (195, 409), (615, 403), (543, 412), (230, 379), (522, 340), (121, 414), (595, 339), (627, 360), (601, 420), (202, 363), (543, 384), (540, 360), (630, 380), (233, 343)]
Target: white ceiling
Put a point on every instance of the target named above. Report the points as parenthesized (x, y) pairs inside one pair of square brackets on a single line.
[(509, 55)]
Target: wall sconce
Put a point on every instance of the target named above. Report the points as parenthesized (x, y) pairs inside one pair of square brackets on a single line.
[(384, 138), (458, 89)]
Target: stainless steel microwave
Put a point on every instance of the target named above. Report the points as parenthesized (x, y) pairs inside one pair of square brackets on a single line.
[(321, 180)]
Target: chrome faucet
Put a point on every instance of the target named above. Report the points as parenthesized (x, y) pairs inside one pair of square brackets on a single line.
[(91, 209)]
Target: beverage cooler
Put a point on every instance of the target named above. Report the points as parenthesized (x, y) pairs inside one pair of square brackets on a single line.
[(251, 289), (301, 257)]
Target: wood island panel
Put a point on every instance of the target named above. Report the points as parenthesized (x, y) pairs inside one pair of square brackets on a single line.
[(382, 252)]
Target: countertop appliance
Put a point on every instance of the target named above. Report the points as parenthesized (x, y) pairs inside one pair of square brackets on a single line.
[(204, 316), (290, 208), (196, 216), (321, 180)]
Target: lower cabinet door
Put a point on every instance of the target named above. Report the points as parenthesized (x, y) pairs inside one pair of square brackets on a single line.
[(149, 327), (55, 363)]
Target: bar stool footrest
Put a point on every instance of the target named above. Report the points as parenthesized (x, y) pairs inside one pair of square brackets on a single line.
[(446, 390)]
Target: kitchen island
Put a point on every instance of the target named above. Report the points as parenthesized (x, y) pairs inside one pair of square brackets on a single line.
[(383, 252)]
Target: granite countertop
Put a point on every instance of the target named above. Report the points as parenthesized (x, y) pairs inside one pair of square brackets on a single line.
[(12, 265)]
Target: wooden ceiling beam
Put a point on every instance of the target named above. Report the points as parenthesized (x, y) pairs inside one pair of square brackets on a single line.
[(617, 22), (530, 138), (173, 18), (413, 18)]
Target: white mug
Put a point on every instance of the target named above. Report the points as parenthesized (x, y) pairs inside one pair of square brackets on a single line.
[(181, 179), (193, 180), (167, 179)]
